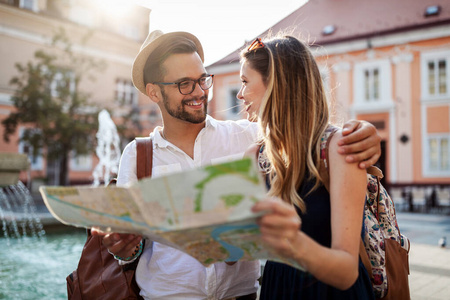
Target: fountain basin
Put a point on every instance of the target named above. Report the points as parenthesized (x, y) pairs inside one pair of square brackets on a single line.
[(10, 166)]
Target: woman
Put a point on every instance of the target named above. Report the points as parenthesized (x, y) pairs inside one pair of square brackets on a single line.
[(281, 84)]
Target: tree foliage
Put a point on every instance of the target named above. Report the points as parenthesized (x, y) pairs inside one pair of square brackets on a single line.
[(58, 116)]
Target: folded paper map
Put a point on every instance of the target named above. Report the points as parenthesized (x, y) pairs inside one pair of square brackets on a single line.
[(205, 212)]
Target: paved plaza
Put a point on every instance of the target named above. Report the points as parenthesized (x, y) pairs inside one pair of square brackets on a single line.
[(429, 264), (429, 272)]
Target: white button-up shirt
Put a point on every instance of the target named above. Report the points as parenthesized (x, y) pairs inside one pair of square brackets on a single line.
[(166, 273)]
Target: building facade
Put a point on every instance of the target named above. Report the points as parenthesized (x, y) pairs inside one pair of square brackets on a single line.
[(389, 64), (115, 39)]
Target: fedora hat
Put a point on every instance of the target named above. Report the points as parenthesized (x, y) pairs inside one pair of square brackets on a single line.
[(153, 40)]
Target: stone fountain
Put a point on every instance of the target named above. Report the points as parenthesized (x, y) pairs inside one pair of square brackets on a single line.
[(18, 215), (11, 164)]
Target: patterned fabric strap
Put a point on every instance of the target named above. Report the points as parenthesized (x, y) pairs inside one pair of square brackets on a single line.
[(325, 141), (263, 161), (323, 167)]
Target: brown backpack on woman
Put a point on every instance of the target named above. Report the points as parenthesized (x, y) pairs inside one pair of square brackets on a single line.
[(98, 275)]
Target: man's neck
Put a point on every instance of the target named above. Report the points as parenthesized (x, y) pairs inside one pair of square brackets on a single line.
[(182, 134)]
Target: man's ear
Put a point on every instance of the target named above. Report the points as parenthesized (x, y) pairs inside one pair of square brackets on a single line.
[(153, 92)]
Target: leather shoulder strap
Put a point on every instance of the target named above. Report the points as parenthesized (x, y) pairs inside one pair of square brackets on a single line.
[(144, 157)]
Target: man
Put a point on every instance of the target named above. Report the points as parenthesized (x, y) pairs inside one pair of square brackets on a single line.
[(169, 70)]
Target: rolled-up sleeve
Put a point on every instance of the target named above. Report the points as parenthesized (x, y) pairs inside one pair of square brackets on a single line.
[(127, 167)]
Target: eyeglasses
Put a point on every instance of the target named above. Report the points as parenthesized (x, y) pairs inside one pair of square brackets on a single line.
[(257, 44), (186, 87)]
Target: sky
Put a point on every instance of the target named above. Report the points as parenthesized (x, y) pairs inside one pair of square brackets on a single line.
[(222, 26)]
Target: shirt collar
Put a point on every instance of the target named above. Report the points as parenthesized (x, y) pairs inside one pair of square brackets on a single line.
[(157, 138), (210, 122)]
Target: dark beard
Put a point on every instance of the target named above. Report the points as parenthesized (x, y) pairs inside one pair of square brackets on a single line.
[(180, 112)]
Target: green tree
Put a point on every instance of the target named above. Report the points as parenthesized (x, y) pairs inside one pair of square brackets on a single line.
[(58, 117)]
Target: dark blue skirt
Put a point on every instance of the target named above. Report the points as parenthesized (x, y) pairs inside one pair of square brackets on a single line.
[(281, 281)]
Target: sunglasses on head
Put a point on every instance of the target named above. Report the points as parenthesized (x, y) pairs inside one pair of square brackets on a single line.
[(257, 44)]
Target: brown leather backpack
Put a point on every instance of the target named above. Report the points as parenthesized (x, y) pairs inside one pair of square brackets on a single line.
[(98, 275)]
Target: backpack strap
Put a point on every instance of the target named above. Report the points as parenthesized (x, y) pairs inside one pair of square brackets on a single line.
[(144, 157), (324, 161)]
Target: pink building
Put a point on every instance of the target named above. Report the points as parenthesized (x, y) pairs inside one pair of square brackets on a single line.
[(387, 62)]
